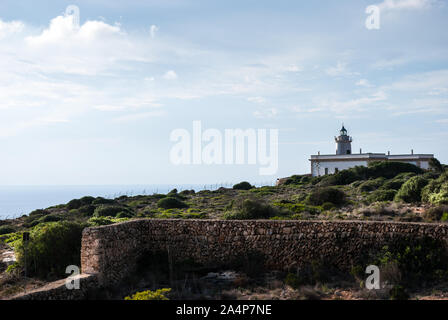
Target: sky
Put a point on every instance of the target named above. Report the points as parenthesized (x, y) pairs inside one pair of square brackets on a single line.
[(95, 103)]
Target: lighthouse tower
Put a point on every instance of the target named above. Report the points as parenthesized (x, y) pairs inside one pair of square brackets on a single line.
[(343, 142)]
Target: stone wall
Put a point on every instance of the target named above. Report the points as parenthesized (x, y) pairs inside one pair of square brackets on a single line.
[(111, 252)]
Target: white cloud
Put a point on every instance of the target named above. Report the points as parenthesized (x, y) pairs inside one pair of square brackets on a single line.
[(139, 116), (364, 83), (170, 75), (294, 68), (63, 31), (340, 70), (406, 4), (12, 27), (256, 99), (359, 104), (267, 113)]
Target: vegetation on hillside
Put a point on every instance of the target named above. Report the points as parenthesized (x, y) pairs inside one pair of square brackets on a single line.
[(382, 191)]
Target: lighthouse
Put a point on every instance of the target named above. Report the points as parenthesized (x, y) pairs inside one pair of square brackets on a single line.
[(343, 142), (323, 164)]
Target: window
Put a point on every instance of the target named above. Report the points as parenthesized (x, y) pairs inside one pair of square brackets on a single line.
[(348, 151), (326, 170)]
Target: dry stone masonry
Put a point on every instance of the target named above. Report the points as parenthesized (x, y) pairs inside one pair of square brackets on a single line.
[(111, 252)]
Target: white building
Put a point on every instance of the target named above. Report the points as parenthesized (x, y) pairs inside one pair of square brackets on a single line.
[(345, 159)]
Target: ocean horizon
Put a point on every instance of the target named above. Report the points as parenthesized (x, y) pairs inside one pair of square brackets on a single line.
[(16, 201)]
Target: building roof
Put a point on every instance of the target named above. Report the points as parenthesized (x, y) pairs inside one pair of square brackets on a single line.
[(370, 156)]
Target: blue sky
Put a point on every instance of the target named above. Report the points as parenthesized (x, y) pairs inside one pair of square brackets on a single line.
[(96, 104)]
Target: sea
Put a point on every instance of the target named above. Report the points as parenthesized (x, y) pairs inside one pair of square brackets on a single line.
[(16, 201)]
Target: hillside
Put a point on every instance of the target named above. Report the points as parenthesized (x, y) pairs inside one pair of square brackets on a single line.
[(383, 191)]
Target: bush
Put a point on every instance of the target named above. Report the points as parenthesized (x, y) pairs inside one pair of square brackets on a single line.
[(436, 213), (171, 203), (398, 293), (435, 165), (74, 204), (411, 190), (101, 200), (327, 194), (251, 209), (52, 247), (7, 229), (87, 210), (159, 294), (77, 203), (393, 184), (390, 169), (50, 218), (371, 185), (108, 211), (39, 212), (436, 191), (327, 206), (99, 221), (375, 169), (124, 214), (298, 179), (293, 281), (382, 195), (418, 260), (243, 186)]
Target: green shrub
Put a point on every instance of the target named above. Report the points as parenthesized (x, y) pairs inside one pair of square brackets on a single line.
[(243, 186), (159, 294), (87, 210), (345, 177), (436, 191), (327, 206), (50, 218), (440, 197), (371, 184), (99, 221), (108, 210), (375, 169), (251, 209), (74, 204), (327, 194), (7, 229), (390, 169), (173, 192), (392, 184), (435, 165), (436, 213), (417, 259), (411, 190), (101, 200), (298, 179), (293, 280), (398, 293), (52, 247), (124, 214), (39, 212), (171, 203), (187, 192), (382, 195)]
